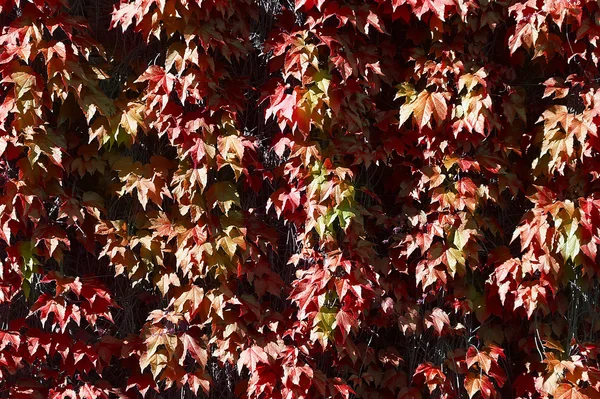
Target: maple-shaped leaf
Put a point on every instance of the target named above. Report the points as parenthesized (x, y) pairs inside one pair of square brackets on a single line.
[(555, 86), (97, 295), (62, 311), (166, 281), (340, 386), (494, 351), (555, 370), (345, 321), (308, 4), (438, 319), (157, 337), (158, 78), (142, 383), (366, 18), (197, 380), (432, 375), (474, 356), (25, 81), (130, 119), (47, 142), (284, 200), (525, 33), (163, 227), (157, 361), (224, 195), (88, 391), (63, 284), (9, 338), (478, 383), (251, 356), (52, 237), (189, 300), (191, 346), (127, 12), (438, 7), (423, 106), (568, 391)]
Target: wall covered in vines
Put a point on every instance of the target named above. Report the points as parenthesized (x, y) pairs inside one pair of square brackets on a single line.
[(311, 199)]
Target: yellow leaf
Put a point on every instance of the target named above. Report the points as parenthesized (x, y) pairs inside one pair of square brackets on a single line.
[(157, 362)]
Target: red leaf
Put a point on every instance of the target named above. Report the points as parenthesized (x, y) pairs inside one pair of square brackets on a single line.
[(198, 380), (191, 346), (251, 356), (142, 382), (345, 321), (475, 383), (9, 338), (474, 356), (342, 388), (437, 319)]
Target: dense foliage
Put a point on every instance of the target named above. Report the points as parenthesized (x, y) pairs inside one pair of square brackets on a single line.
[(236, 198)]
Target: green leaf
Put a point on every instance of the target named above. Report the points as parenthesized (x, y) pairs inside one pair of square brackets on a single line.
[(325, 321), (570, 243), (29, 266), (455, 259)]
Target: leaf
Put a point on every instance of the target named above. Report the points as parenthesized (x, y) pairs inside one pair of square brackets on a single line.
[(142, 383), (482, 359), (438, 7), (159, 337), (567, 391), (224, 195), (345, 321), (478, 383), (325, 322), (45, 142), (525, 34), (342, 388), (570, 243), (88, 391), (25, 81), (191, 346), (132, 118), (167, 281), (423, 107), (231, 143), (432, 374), (455, 258), (9, 338), (437, 319), (63, 284), (189, 300), (199, 380), (158, 78), (156, 360), (251, 356)]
